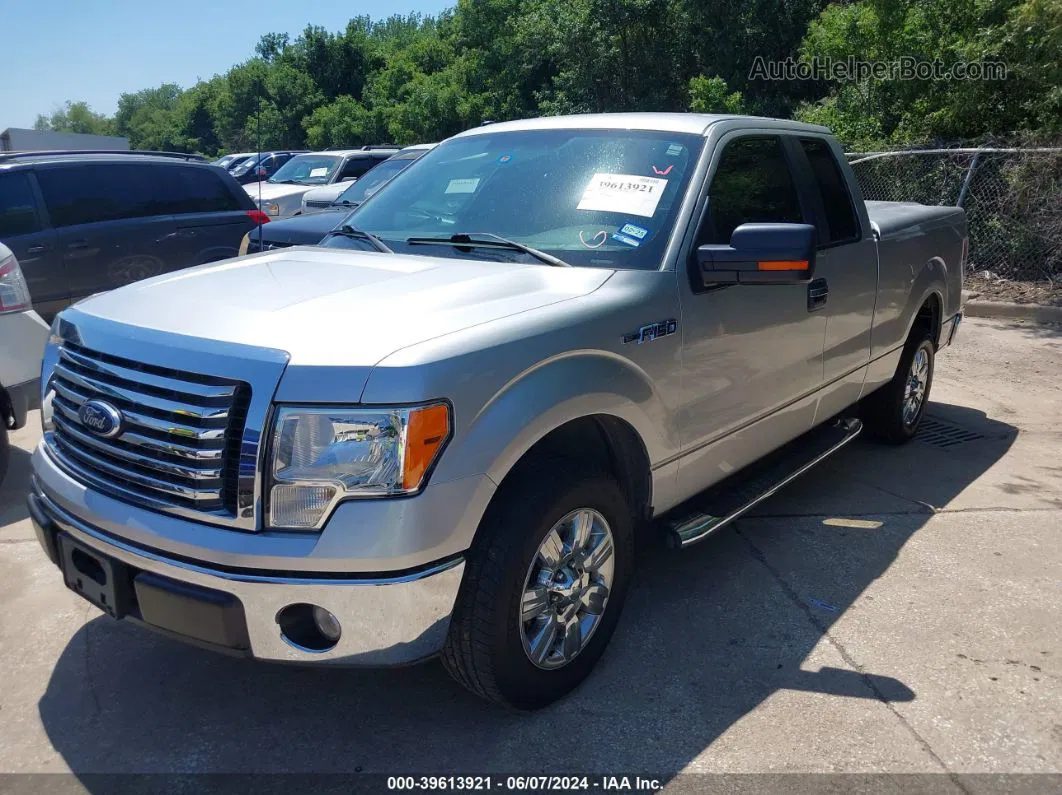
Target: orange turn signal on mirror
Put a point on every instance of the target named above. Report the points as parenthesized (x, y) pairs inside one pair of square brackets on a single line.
[(782, 265), (427, 432)]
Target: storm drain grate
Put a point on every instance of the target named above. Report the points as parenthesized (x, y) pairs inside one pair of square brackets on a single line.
[(943, 434)]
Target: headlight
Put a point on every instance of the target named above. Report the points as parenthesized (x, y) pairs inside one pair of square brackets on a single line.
[(321, 456), (270, 208)]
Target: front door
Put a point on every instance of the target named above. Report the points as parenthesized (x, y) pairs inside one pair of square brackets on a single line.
[(752, 354)]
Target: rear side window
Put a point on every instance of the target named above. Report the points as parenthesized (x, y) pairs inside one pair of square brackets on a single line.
[(114, 191), (18, 209), (355, 168), (85, 194), (840, 216), (752, 184), (197, 190)]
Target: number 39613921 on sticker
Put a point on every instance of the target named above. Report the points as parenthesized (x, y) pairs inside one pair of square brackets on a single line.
[(629, 194)]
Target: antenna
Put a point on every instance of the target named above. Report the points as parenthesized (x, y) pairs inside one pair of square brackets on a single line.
[(258, 144)]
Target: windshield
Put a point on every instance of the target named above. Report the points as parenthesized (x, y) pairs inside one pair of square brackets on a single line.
[(308, 169), (604, 198), (372, 180)]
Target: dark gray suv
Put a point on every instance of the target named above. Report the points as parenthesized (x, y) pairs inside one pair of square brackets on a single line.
[(85, 223)]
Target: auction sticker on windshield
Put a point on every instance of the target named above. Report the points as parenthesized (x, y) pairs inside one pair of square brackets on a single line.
[(623, 193), (319, 172), (462, 186)]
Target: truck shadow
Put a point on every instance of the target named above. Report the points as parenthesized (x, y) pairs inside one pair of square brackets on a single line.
[(708, 635)]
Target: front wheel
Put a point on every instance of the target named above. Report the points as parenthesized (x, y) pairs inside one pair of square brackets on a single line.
[(894, 412), (544, 586)]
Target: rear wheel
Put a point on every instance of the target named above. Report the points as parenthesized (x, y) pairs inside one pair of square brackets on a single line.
[(544, 586), (894, 412)]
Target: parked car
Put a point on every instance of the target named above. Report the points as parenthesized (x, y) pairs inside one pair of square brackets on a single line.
[(310, 229), (281, 195), (228, 162), (84, 223), (441, 431), (259, 166), (322, 199), (23, 334)]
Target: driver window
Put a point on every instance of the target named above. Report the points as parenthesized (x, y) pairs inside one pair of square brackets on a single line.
[(752, 184)]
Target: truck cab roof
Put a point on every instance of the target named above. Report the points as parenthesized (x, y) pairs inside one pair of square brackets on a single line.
[(696, 123)]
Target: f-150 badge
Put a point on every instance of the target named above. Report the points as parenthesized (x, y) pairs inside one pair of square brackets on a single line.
[(652, 331)]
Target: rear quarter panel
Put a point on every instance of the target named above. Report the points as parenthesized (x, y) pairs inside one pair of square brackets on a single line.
[(920, 255)]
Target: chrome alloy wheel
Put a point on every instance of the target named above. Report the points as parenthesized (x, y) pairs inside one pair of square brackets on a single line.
[(567, 588), (914, 392)]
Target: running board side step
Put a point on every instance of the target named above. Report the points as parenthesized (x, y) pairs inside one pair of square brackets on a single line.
[(724, 502)]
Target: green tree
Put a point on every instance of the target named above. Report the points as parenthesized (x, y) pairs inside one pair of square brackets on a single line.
[(711, 95), (76, 117)]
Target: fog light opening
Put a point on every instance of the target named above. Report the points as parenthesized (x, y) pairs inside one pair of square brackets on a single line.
[(309, 628)]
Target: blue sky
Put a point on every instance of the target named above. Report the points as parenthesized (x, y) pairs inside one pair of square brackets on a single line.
[(93, 50)]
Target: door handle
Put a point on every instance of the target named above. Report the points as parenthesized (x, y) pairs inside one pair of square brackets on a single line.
[(818, 292), (38, 249), (76, 244)]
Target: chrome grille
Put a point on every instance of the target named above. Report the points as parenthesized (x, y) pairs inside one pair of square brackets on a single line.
[(179, 443)]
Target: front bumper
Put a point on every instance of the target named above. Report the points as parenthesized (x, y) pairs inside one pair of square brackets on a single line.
[(386, 621)]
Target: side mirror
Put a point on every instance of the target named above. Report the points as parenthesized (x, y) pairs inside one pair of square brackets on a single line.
[(760, 254)]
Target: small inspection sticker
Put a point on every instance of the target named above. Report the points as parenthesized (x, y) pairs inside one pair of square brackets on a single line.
[(634, 231)]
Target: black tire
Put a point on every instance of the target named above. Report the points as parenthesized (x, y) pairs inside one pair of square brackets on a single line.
[(883, 411), (484, 650), (5, 448)]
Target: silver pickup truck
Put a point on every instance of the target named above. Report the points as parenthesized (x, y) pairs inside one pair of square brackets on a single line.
[(441, 431)]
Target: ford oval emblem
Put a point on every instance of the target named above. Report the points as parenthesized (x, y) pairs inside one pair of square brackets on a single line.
[(101, 418)]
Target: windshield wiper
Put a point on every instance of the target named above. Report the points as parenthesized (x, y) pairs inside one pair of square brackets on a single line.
[(346, 230), (487, 240)]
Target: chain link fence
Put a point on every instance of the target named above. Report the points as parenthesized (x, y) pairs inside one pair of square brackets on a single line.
[(1012, 198)]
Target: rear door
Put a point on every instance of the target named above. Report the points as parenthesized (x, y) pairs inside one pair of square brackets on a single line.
[(110, 220), (209, 214), (23, 228), (846, 271)]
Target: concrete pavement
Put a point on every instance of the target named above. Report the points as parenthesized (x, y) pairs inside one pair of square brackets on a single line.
[(897, 610)]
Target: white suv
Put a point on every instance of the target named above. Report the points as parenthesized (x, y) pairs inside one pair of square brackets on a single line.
[(24, 335)]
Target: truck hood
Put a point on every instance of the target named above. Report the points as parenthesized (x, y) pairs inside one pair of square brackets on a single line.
[(338, 308), (327, 193), (302, 230), (273, 191)]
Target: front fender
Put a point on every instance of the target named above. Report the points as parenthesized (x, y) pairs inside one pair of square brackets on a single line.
[(554, 392)]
